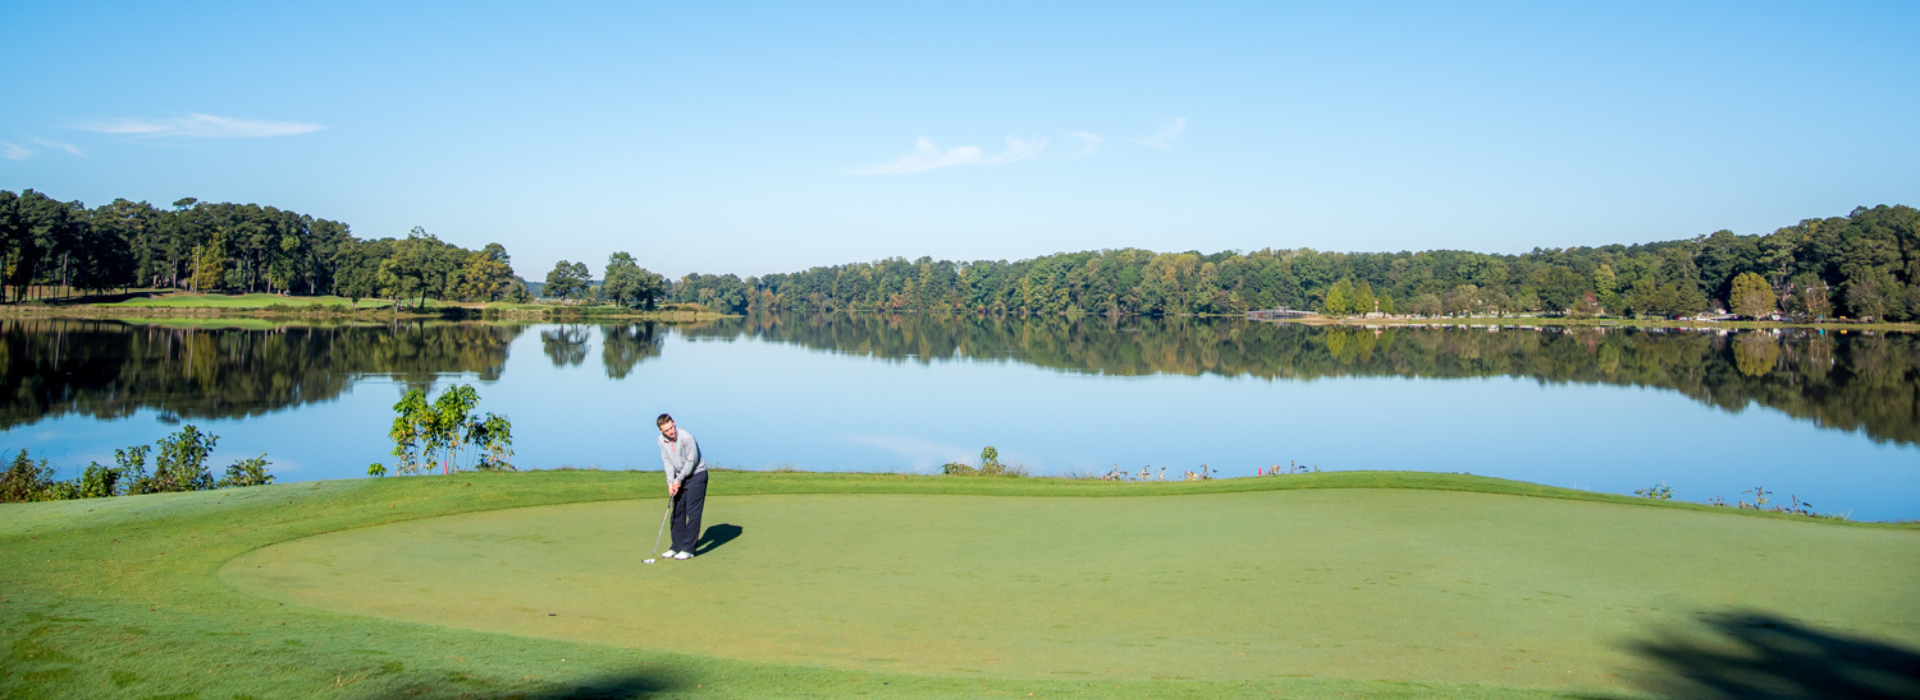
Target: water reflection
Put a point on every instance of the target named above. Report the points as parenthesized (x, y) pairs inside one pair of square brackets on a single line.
[(1864, 382), (110, 369), (625, 345), (565, 345)]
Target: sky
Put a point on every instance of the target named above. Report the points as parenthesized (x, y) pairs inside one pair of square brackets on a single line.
[(754, 138)]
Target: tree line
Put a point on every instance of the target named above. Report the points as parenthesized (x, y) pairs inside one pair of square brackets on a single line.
[(48, 245), (1863, 265)]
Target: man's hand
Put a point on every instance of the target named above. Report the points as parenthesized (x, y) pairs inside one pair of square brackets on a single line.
[(673, 489)]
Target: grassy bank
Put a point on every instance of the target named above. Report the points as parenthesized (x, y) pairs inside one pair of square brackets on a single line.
[(164, 304), (126, 598)]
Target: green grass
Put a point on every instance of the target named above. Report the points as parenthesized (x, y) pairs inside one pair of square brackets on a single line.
[(233, 301), (1338, 584)]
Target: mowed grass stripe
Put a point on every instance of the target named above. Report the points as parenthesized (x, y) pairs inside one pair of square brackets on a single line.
[(1427, 586)]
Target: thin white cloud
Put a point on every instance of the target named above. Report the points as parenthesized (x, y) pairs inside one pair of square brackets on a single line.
[(928, 156), (14, 151), (1090, 143), (199, 126), (1164, 139), (60, 145)]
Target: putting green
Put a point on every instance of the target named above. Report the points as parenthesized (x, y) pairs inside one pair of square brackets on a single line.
[(1364, 584)]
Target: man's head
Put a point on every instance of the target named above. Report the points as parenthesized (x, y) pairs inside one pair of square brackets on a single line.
[(665, 422)]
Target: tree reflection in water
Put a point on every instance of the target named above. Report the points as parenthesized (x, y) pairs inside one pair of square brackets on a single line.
[(622, 346), (565, 345), (1867, 382), (106, 369), (110, 369)]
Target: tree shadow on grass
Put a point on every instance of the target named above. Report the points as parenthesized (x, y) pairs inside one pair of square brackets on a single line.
[(613, 686), (716, 536), (1765, 657)]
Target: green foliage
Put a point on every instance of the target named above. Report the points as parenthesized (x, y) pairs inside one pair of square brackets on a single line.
[(229, 248), (25, 479), (439, 434), (990, 462), (1339, 300), (1751, 297), (1364, 301), (251, 471), (628, 284), (958, 469), (100, 482), (181, 463), (1879, 248), (567, 280), (376, 469)]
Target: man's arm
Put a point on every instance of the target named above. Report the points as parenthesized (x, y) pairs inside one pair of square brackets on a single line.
[(669, 454)]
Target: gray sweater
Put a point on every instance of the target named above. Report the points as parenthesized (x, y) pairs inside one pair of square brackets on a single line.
[(681, 457)]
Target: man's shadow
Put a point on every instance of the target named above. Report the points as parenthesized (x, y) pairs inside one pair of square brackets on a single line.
[(715, 536)]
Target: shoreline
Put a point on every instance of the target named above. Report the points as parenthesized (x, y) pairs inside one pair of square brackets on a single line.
[(321, 311)]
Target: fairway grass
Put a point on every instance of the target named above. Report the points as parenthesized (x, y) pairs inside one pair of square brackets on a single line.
[(1347, 584)]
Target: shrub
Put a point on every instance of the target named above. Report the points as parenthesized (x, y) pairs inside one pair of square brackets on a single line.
[(958, 469), (376, 469), (990, 462), (182, 462), (251, 471), (25, 479), (100, 482)]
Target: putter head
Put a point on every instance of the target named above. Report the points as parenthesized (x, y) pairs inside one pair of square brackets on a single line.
[(646, 561)]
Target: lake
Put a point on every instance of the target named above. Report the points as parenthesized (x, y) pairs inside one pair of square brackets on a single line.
[(1830, 418)]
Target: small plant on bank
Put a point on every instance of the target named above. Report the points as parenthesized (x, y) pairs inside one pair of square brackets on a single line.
[(990, 462), (425, 435), (251, 471), (25, 479), (1658, 492), (376, 469), (181, 464), (989, 466), (1759, 498)]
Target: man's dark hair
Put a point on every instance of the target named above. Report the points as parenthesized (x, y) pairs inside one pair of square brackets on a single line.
[(662, 420)]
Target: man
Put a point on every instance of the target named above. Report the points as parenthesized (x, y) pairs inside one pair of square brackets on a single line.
[(686, 485)]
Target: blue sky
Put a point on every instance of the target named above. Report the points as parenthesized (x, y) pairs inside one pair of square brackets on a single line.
[(765, 137)]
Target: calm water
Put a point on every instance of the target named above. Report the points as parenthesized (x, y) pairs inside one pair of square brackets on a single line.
[(1832, 418)]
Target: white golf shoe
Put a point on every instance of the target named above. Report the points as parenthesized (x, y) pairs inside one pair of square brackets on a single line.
[(668, 554), (683, 556)]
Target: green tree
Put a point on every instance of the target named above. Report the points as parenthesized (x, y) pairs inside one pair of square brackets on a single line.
[(628, 284), (1559, 290), (1751, 296), (567, 280), (1339, 299), (486, 274), (1363, 300)]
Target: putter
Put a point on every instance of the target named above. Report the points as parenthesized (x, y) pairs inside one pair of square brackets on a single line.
[(656, 535)]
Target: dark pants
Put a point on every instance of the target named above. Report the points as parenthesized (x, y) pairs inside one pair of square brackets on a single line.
[(686, 512)]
